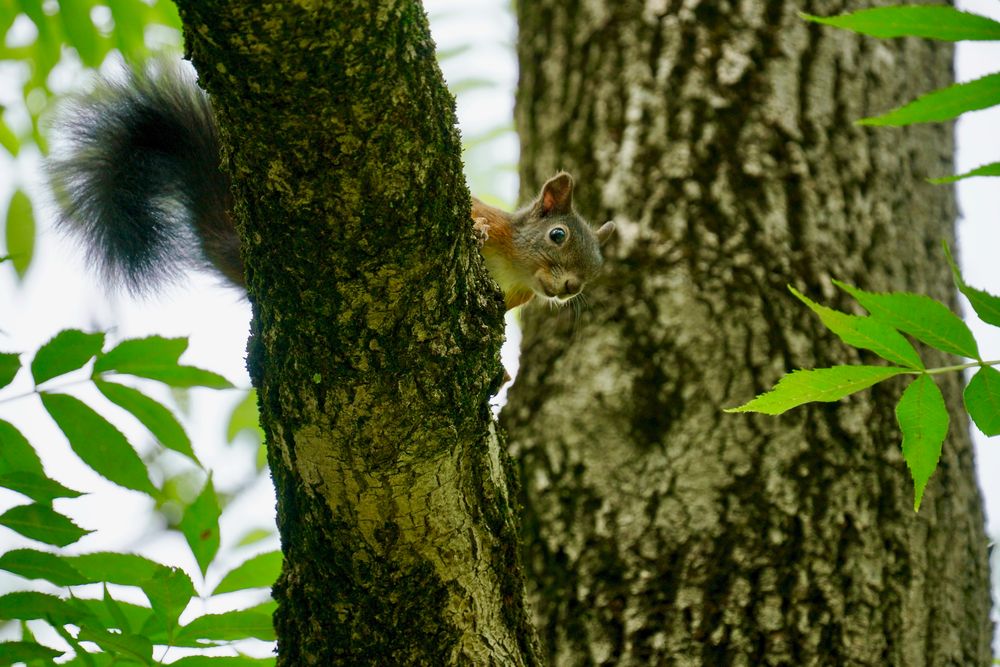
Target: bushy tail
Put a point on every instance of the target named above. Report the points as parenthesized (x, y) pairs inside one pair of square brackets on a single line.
[(135, 172)]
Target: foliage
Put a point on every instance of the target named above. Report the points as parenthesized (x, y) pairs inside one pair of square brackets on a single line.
[(96, 30), (921, 412), (118, 629), (933, 22), (92, 31), (86, 603)]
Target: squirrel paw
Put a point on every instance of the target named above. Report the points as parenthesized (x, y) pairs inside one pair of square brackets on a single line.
[(481, 230)]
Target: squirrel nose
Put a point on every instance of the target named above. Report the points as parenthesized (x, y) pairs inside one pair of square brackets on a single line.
[(571, 285)]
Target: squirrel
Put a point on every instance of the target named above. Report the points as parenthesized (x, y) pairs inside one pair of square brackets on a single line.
[(136, 173)]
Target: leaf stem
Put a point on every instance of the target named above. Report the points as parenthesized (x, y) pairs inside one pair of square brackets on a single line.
[(957, 367), (36, 390)]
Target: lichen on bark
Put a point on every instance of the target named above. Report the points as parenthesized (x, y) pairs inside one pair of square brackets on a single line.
[(658, 530), (375, 334)]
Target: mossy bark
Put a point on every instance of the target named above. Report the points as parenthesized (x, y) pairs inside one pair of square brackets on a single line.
[(659, 530), (375, 334)]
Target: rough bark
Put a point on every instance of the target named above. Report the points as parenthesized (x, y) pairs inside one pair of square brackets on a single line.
[(657, 529), (375, 334)]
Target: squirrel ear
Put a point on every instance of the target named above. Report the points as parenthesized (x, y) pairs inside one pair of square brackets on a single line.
[(605, 231), (557, 194)]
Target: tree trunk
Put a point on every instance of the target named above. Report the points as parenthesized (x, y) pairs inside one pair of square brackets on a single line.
[(375, 335), (657, 529)]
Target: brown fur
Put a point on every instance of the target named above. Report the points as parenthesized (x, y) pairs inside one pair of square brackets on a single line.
[(500, 253)]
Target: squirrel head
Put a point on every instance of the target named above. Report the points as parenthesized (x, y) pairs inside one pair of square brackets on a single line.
[(558, 245)]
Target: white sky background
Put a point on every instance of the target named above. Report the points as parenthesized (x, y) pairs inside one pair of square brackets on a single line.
[(61, 292)]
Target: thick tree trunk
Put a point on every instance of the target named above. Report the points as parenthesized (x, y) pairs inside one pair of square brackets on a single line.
[(375, 335), (659, 530)]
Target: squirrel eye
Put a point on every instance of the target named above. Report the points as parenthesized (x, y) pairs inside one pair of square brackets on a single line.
[(557, 234)]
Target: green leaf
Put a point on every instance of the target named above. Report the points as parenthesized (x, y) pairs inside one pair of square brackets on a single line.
[(82, 656), (165, 13), (31, 605), (261, 571), (81, 33), (200, 525), (245, 417), (487, 136), (130, 28), (42, 523), (140, 353), (116, 568), (32, 564), (923, 419), (992, 169), (120, 620), (821, 384), (230, 626), (68, 351), (47, 43), (8, 139), (943, 104), (920, 316), (253, 536), (20, 232), (16, 453), (865, 333), (99, 444), (470, 83), (131, 615), (39, 488), (982, 400), (169, 593), (454, 52), (154, 416), (186, 376), (986, 305), (183, 377), (932, 22), (123, 645), (12, 652), (10, 364), (156, 358)]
